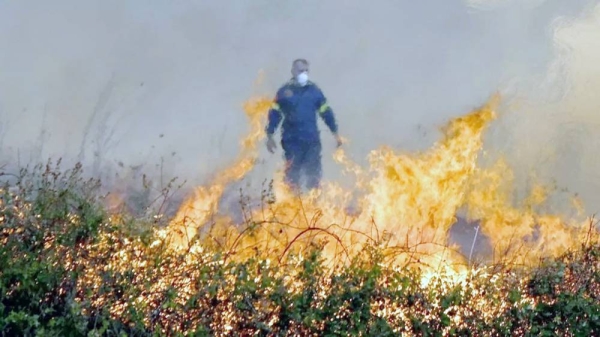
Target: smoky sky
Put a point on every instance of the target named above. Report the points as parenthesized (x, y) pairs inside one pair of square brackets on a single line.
[(132, 82)]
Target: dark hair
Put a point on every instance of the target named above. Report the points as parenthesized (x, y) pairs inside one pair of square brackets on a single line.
[(304, 61)]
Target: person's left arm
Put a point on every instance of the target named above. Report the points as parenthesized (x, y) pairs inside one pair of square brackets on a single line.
[(325, 112)]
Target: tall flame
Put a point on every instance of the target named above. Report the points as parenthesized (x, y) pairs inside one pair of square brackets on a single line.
[(196, 211), (407, 205)]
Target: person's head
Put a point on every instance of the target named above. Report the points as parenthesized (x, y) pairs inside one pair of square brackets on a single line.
[(300, 71)]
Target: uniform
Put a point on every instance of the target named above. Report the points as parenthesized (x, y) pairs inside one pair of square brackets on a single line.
[(298, 107)]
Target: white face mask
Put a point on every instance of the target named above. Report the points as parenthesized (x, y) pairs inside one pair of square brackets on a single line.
[(302, 78)]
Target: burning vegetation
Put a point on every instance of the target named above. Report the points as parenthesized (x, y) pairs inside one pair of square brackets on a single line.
[(308, 265)]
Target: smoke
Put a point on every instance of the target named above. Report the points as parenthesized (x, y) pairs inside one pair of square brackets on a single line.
[(548, 132), (495, 4), (110, 83)]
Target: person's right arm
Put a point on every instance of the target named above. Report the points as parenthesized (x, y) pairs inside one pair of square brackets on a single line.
[(274, 119), (275, 115)]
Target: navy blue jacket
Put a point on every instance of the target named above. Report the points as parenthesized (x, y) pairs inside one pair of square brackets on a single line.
[(298, 106)]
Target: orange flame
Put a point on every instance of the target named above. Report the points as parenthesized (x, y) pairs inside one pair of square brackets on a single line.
[(409, 203), (196, 211)]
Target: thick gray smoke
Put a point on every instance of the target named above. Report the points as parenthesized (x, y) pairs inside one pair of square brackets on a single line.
[(548, 131), (112, 82)]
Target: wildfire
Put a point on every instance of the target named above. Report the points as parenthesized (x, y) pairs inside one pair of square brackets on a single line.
[(407, 205), (398, 227), (197, 210)]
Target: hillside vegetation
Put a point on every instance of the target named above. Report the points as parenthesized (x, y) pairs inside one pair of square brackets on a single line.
[(68, 267)]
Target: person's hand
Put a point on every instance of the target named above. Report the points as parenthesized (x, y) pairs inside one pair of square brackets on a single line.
[(271, 146), (338, 140)]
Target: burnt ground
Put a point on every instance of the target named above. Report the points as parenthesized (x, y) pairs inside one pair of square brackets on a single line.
[(472, 242)]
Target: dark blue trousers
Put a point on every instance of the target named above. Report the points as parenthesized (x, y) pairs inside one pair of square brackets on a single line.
[(303, 159)]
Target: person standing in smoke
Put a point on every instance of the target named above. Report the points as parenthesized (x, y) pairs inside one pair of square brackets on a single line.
[(297, 103)]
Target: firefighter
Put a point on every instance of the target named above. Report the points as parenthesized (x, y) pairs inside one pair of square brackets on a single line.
[(298, 103)]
